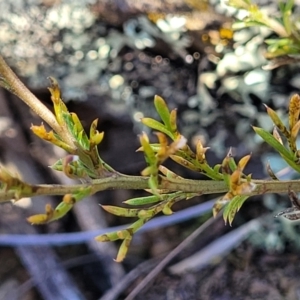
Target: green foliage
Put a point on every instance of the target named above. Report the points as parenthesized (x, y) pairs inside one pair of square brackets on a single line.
[(289, 153), (163, 186), (85, 163)]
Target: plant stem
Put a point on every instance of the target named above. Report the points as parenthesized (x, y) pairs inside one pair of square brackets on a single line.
[(140, 183), (10, 81)]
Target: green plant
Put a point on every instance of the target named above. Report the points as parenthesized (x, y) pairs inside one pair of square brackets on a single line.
[(164, 186)]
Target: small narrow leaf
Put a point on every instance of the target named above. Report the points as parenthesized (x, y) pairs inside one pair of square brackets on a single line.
[(147, 171), (69, 123), (294, 110), (168, 173), (200, 152), (148, 151), (83, 140), (57, 166), (173, 122), (51, 214), (50, 137), (123, 250), (167, 210), (146, 213), (108, 237), (233, 207), (219, 204), (277, 121), (226, 163), (243, 162), (232, 164), (156, 126), (76, 129), (76, 123), (162, 110), (217, 168), (42, 218), (93, 128), (155, 147), (270, 139), (38, 219), (185, 163), (277, 135), (143, 200), (120, 211), (95, 136), (235, 178), (153, 184), (59, 106)]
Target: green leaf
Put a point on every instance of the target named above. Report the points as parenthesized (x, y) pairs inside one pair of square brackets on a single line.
[(162, 110), (233, 207), (144, 200), (156, 126), (59, 106), (168, 173), (270, 139), (173, 122), (217, 168), (121, 211), (69, 123), (75, 128), (153, 184), (51, 214), (232, 164), (108, 237), (57, 166), (83, 140), (148, 151), (82, 193), (277, 121), (123, 249), (185, 163), (167, 210), (218, 205)]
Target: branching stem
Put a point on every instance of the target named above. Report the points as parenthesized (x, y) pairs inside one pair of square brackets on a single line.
[(139, 183)]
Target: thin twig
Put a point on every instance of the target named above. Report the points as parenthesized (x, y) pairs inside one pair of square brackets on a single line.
[(168, 258), (119, 181), (10, 81), (142, 268)]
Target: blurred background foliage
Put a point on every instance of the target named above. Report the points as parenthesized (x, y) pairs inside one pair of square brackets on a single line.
[(184, 51)]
